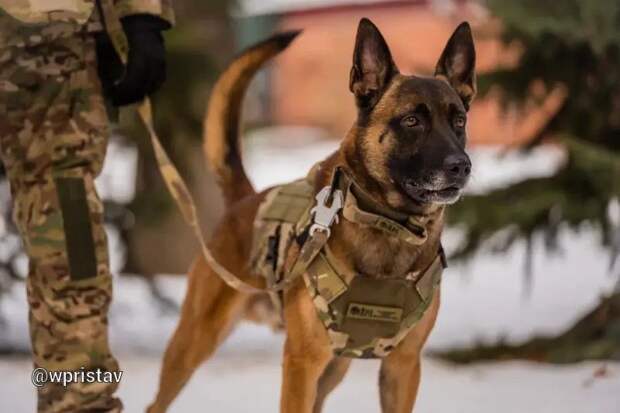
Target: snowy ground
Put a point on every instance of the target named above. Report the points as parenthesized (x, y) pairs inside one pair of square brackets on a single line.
[(481, 301), (236, 381)]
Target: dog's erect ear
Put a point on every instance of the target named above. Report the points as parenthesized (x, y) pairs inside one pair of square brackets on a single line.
[(457, 63), (373, 66)]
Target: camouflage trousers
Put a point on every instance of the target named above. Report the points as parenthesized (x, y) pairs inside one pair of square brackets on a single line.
[(53, 135)]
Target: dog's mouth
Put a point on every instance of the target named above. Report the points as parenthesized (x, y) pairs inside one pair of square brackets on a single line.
[(444, 195)]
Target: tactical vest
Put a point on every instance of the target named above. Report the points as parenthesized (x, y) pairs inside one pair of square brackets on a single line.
[(364, 317)]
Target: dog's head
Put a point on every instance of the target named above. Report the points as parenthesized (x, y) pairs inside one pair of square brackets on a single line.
[(409, 138)]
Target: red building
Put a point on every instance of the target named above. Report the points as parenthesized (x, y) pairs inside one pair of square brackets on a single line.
[(309, 82)]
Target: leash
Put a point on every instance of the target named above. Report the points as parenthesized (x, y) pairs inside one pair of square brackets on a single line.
[(174, 182)]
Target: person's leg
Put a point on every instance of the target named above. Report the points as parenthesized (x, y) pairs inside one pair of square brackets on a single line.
[(53, 132)]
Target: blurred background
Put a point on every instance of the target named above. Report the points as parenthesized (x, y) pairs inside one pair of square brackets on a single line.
[(530, 317)]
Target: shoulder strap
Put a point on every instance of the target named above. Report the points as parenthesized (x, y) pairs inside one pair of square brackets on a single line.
[(329, 202), (354, 214), (379, 216)]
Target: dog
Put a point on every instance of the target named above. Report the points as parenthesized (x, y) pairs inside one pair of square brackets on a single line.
[(406, 151)]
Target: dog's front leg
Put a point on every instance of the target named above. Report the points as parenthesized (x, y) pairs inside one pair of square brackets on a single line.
[(300, 379), (306, 352), (399, 377), (399, 380)]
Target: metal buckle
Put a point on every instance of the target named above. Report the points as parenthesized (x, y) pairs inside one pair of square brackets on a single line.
[(324, 216)]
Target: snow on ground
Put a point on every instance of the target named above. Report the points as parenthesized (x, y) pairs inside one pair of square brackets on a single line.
[(482, 300), (236, 381)]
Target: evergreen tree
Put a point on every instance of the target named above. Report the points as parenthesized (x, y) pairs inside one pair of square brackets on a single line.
[(573, 46)]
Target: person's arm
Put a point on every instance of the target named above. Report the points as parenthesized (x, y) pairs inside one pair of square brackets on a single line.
[(143, 23)]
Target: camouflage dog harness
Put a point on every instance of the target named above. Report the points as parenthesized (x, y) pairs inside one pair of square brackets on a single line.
[(365, 317)]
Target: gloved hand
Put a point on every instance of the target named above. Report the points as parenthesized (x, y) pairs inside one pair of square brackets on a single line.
[(146, 63)]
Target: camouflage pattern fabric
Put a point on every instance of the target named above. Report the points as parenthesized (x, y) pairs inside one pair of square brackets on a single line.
[(367, 317), (53, 133), (32, 12), (81, 11), (281, 216), (413, 232)]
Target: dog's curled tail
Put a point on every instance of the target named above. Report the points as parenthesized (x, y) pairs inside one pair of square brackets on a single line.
[(221, 129)]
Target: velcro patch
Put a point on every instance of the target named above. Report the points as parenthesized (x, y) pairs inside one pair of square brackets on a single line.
[(78, 228), (374, 312)]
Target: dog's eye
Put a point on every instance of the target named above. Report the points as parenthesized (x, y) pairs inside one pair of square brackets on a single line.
[(411, 121), (459, 121)]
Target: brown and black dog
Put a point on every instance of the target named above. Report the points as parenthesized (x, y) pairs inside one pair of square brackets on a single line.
[(406, 149)]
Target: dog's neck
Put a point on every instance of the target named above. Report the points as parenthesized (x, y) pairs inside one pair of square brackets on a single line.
[(372, 252)]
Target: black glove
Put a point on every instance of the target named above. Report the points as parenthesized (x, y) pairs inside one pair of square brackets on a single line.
[(146, 63)]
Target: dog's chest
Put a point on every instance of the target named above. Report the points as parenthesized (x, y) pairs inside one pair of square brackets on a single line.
[(371, 253)]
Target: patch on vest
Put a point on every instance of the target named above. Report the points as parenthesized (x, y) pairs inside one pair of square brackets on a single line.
[(374, 312)]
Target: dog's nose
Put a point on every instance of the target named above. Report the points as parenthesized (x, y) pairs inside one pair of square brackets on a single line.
[(457, 166)]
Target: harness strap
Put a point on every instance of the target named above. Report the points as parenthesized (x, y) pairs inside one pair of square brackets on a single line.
[(174, 182), (318, 234), (353, 213), (385, 219), (307, 254)]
